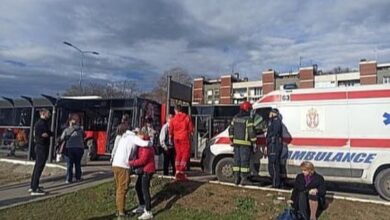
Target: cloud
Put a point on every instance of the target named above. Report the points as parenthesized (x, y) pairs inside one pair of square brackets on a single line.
[(138, 40), (16, 63)]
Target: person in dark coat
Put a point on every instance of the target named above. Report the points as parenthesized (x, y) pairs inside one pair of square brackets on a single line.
[(42, 134), (308, 195), (274, 147)]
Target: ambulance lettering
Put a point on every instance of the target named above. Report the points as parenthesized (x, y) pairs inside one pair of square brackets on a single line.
[(387, 118), (343, 157)]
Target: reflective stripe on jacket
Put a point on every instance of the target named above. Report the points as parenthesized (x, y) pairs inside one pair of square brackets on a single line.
[(241, 129)]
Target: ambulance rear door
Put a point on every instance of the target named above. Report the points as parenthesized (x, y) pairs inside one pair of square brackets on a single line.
[(369, 134)]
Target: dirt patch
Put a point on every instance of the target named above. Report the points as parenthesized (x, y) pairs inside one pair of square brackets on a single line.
[(209, 198), (233, 201), (15, 173), (222, 201), (339, 209)]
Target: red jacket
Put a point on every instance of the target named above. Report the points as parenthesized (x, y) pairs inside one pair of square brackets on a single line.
[(180, 127), (145, 159)]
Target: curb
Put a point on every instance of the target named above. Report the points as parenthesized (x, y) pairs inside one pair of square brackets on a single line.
[(346, 198), (23, 162), (56, 195)]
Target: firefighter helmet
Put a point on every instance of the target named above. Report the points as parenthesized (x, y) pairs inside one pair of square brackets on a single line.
[(246, 106)]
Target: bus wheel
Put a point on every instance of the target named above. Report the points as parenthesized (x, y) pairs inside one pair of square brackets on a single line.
[(382, 183), (224, 170), (92, 149)]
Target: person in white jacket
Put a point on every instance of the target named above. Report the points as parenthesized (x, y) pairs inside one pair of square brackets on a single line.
[(124, 151)]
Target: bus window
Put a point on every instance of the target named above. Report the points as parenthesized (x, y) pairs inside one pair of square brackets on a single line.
[(116, 119), (15, 117), (96, 119), (23, 116)]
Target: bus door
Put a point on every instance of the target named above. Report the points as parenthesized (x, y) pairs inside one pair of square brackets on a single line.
[(115, 118), (202, 133), (95, 128)]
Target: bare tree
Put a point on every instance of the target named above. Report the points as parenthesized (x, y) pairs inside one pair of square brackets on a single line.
[(159, 93), (119, 89), (339, 69)]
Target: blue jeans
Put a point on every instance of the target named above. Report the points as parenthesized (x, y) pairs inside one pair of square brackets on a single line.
[(73, 156), (142, 187)]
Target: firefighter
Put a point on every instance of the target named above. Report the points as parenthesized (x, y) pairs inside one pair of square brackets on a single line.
[(243, 137), (274, 147)]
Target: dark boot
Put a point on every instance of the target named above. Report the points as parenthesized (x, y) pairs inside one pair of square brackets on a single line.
[(237, 178), (244, 180)]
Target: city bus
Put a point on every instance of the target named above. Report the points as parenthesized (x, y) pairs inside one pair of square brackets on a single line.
[(99, 119)]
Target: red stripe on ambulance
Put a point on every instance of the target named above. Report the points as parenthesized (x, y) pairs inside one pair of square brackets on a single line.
[(330, 96), (323, 142), (319, 96)]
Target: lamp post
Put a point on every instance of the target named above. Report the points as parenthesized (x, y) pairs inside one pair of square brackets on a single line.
[(82, 52)]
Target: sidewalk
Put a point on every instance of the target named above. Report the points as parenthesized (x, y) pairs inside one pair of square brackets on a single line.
[(94, 173)]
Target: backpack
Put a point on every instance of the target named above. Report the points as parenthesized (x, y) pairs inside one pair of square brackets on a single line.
[(290, 214)]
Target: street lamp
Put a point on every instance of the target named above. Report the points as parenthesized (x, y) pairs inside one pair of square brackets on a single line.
[(82, 52)]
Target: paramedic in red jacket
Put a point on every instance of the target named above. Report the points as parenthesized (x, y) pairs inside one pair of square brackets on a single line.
[(144, 167), (180, 130)]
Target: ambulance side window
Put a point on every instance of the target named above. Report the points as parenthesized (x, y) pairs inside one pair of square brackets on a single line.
[(260, 118)]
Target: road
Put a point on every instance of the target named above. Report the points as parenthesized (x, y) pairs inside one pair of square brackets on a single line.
[(93, 174)]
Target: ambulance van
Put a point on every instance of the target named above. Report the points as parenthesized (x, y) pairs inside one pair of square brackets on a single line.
[(345, 132)]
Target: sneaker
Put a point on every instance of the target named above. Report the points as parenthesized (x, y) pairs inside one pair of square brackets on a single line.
[(139, 210), (39, 188), (146, 215), (121, 215), (39, 192), (68, 182)]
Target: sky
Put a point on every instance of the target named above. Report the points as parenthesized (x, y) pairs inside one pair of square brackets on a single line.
[(138, 40)]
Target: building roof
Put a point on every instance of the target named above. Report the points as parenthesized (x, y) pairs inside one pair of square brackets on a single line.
[(383, 65)]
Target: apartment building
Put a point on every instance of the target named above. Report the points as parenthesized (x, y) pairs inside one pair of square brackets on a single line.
[(231, 89)]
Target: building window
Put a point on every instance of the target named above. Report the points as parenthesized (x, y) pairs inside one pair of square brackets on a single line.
[(386, 80), (349, 83), (258, 91), (209, 102), (209, 92), (216, 102), (240, 93)]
